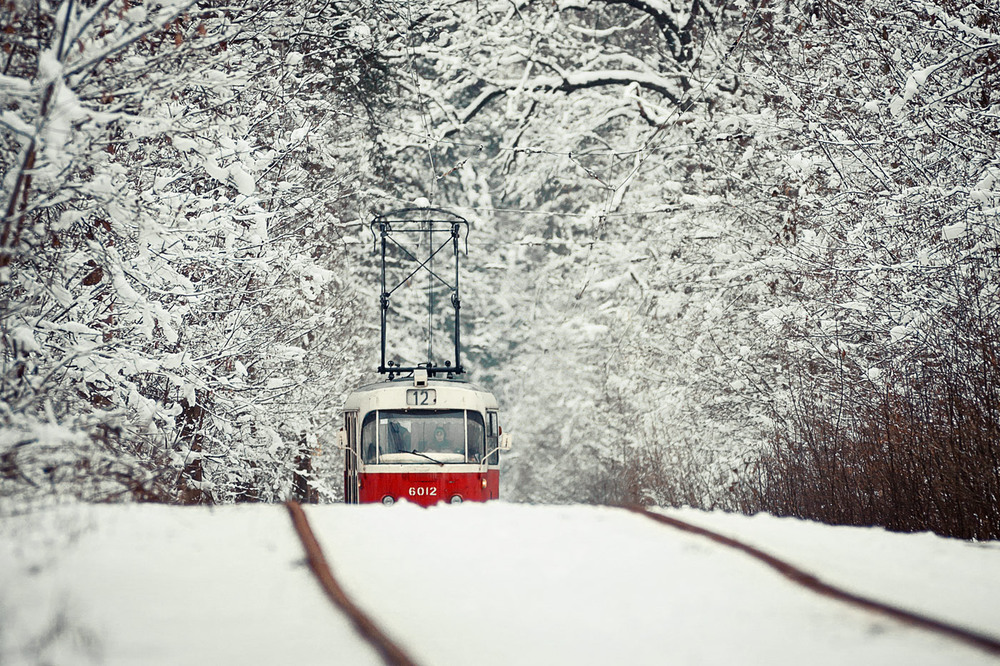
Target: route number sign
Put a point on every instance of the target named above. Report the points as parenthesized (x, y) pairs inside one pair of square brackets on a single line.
[(421, 397)]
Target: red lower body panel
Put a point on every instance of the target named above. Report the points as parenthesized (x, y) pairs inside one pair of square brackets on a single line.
[(427, 488)]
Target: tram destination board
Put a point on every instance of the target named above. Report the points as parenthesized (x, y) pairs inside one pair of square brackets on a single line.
[(421, 397)]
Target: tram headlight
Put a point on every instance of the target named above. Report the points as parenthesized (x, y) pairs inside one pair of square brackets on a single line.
[(388, 500), (455, 499)]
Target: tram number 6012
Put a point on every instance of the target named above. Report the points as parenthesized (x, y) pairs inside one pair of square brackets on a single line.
[(423, 492)]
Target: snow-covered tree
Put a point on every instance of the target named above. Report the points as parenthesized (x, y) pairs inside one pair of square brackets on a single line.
[(177, 318), (887, 125)]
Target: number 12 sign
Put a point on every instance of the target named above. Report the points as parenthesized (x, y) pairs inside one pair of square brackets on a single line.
[(421, 397)]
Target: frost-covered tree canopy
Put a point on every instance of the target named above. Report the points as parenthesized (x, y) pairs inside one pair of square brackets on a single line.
[(724, 254)]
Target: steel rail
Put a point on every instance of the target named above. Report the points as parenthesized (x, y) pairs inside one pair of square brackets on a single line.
[(808, 580), (391, 653)]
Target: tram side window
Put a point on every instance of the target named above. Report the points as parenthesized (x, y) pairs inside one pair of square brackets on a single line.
[(368, 438), (475, 433), (493, 437)]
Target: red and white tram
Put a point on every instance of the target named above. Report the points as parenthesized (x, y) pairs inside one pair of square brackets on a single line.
[(422, 440), (422, 435)]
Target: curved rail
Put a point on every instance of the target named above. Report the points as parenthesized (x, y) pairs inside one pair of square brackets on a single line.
[(391, 653), (796, 575)]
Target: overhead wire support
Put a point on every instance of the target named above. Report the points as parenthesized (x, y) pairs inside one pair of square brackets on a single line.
[(422, 220)]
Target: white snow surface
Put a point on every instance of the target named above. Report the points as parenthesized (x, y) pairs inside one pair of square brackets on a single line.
[(480, 584)]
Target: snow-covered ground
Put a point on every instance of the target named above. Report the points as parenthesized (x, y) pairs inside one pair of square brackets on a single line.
[(472, 584)]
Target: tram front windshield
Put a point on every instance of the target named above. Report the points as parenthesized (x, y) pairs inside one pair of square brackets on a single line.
[(420, 437)]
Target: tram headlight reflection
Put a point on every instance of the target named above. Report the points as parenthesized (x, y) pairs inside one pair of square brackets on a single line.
[(388, 500)]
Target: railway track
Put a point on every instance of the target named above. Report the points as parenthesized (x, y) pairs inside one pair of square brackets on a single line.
[(811, 582), (392, 654)]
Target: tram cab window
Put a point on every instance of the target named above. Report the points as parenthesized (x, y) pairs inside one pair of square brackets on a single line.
[(418, 437)]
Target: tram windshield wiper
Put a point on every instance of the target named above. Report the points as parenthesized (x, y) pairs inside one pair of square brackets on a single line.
[(422, 455)]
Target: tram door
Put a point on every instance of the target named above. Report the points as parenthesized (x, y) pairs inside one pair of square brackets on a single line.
[(351, 458)]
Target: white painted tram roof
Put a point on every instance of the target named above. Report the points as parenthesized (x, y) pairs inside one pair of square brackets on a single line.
[(449, 394)]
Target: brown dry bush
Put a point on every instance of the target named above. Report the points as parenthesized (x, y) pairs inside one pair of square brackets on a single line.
[(922, 453)]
